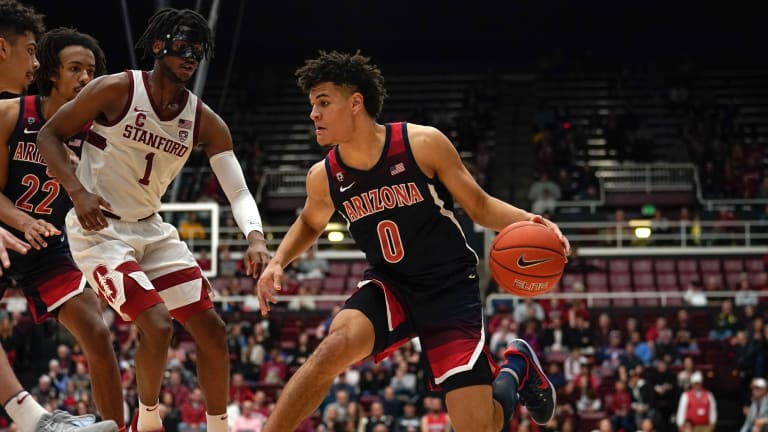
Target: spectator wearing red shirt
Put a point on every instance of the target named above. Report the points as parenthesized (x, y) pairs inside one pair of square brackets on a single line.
[(177, 388), (620, 408), (193, 413), (275, 370), (239, 390), (653, 332)]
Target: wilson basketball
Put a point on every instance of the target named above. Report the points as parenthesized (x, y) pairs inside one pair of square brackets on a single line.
[(527, 259)]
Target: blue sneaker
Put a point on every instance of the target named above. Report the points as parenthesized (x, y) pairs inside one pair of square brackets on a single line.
[(536, 391)]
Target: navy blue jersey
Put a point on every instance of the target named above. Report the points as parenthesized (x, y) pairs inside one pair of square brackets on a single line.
[(402, 220), (30, 185)]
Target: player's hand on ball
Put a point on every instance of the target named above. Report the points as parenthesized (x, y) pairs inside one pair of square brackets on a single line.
[(553, 226)]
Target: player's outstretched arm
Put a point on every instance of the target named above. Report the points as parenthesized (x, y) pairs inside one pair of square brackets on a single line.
[(437, 157), (217, 141), (317, 211)]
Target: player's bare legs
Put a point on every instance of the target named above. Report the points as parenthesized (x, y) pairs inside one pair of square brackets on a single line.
[(9, 384), (473, 409), (209, 333), (350, 339), (156, 330), (80, 315)]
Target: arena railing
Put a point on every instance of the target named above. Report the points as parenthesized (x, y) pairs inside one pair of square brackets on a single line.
[(590, 297)]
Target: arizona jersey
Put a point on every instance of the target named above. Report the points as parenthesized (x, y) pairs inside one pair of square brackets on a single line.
[(402, 220), (136, 156), (29, 185)]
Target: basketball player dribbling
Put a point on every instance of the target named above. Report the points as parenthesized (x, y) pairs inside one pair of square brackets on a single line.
[(145, 125), (395, 185)]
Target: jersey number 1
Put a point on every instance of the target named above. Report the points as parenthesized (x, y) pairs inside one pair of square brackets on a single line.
[(148, 169)]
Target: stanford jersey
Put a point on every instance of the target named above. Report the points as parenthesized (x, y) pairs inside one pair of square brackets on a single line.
[(30, 186), (402, 220), (136, 156)]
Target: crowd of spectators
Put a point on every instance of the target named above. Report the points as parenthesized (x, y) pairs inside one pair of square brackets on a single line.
[(610, 370)]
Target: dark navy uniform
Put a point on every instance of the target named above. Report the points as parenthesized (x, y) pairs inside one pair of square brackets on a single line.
[(404, 223), (49, 276)]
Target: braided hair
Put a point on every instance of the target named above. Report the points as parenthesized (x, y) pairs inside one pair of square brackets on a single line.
[(48, 51), (163, 22)]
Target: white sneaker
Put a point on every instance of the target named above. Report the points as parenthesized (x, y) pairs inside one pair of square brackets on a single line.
[(62, 421)]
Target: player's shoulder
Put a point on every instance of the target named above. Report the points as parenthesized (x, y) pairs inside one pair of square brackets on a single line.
[(120, 81), (317, 171), (9, 110), (427, 142), (317, 180), (424, 135)]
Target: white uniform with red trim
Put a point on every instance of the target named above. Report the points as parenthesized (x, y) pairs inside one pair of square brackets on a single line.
[(130, 162)]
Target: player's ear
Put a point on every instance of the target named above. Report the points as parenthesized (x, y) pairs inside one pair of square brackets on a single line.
[(157, 46), (357, 102), (4, 47)]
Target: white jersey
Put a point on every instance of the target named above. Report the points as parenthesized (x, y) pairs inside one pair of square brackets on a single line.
[(132, 160)]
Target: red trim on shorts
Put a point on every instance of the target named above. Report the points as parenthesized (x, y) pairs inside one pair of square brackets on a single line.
[(395, 317), (137, 299), (172, 279), (182, 314), (390, 349), (455, 353), (495, 368), (395, 311), (55, 289)]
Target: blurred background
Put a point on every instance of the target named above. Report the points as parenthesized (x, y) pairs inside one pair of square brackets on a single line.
[(640, 127)]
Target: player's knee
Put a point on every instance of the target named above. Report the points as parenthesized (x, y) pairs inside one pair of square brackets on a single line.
[(156, 326), (216, 333), (335, 353), (100, 335), (474, 420), (208, 329)]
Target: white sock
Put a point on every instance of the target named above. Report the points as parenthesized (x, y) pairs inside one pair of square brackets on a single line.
[(24, 411), (149, 418), (217, 422)]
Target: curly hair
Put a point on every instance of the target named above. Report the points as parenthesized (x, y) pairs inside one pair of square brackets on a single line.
[(17, 19), (48, 51), (346, 70), (165, 20)]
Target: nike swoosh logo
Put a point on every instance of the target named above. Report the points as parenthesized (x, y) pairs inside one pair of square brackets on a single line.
[(28, 132), (343, 188), (224, 417), (152, 409), (137, 109), (522, 263), (20, 401), (472, 276)]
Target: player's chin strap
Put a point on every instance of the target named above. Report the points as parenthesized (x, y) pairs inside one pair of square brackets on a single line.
[(230, 176)]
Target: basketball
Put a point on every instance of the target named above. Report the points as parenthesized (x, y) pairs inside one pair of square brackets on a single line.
[(527, 259)]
